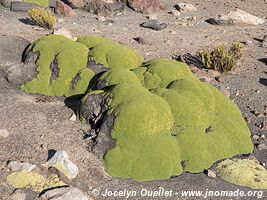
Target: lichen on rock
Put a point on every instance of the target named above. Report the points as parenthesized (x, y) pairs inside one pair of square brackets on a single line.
[(33, 181), (243, 172), (165, 122)]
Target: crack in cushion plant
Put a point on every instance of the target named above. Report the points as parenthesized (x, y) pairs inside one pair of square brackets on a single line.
[(166, 123)]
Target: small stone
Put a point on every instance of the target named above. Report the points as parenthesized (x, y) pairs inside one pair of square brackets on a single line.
[(185, 7), (141, 40), (4, 133), (63, 9), (15, 166), (225, 92), (175, 12), (101, 18), (154, 24), (18, 195), (61, 160), (152, 17), (73, 118), (257, 91), (220, 79), (256, 137), (263, 137), (60, 20), (211, 174), (249, 43), (64, 32), (64, 193), (262, 147)]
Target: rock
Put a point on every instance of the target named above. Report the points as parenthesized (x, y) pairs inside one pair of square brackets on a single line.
[(4, 133), (211, 174), (154, 24), (264, 41), (141, 40), (64, 193), (152, 16), (175, 12), (7, 3), (262, 147), (76, 3), (225, 92), (63, 9), (145, 6), (15, 166), (184, 7), (17, 6), (18, 195), (11, 49), (62, 31), (240, 17), (19, 74), (61, 161), (73, 118), (104, 9), (202, 75)]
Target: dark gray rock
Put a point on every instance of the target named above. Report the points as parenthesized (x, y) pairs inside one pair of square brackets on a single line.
[(11, 50), (94, 110), (154, 24), (21, 6)]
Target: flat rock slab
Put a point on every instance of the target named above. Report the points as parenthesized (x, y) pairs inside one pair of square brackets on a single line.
[(65, 193), (154, 24), (11, 50)]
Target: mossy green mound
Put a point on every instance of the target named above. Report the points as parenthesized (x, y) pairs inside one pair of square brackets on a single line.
[(64, 67), (243, 172), (110, 54), (61, 66), (168, 122), (41, 3), (33, 181)]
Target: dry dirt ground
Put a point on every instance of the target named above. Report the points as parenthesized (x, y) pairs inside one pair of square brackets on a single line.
[(37, 127)]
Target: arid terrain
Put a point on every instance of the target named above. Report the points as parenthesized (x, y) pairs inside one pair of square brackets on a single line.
[(37, 124)]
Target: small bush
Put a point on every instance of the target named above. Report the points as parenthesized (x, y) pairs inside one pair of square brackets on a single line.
[(42, 18), (222, 58)]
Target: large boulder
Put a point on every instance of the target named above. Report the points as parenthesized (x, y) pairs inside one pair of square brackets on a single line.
[(145, 6)]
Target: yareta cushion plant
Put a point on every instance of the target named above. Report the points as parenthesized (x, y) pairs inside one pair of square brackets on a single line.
[(151, 120), (65, 67), (159, 120)]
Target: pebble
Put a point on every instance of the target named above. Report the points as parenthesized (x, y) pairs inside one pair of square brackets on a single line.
[(141, 40), (264, 41), (73, 118), (61, 158), (211, 174), (175, 12), (64, 32), (18, 195), (185, 7), (64, 193), (262, 147), (4, 133), (154, 24), (15, 166)]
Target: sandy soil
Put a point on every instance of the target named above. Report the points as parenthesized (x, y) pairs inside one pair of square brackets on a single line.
[(37, 127)]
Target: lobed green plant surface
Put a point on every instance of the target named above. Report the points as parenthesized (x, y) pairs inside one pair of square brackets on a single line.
[(165, 121), (169, 122), (243, 172), (41, 3)]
